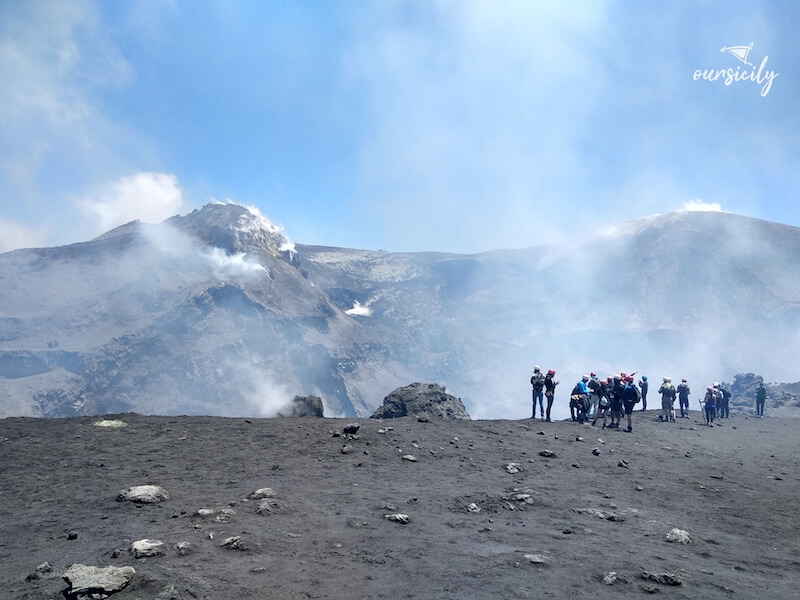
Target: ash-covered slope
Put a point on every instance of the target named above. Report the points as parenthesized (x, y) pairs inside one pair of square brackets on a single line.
[(216, 312)]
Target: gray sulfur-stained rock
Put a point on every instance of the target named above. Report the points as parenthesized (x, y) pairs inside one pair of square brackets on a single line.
[(422, 400), (144, 494), (93, 582)]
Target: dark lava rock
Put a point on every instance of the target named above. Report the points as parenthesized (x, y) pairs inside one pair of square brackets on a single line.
[(303, 406), (427, 400)]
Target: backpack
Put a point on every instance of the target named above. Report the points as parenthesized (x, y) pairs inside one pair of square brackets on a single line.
[(576, 391)]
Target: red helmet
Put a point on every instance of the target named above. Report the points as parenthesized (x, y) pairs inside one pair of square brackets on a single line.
[(551, 372)]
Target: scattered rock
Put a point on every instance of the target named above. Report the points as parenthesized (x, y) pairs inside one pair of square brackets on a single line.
[(143, 494), (547, 454), (541, 433), (513, 468), (576, 465), (225, 515), (612, 578), (639, 488), (679, 536), (184, 548), (624, 464), (596, 451), (72, 535), (94, 582), (234, 542), (113, 423), (347, 449), (43, 571), (538, 559), (397, 518), (266, 507), (145, 548), (205, 512), (422, 400), (596, 512), (261, 493), (410, 457), (662, 578), (351, 428), (473, 508), (579, 439)]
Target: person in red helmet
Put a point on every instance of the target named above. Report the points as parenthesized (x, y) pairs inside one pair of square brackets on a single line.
[(550, 384)]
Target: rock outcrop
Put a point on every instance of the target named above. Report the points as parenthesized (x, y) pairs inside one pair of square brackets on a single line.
[(424, 401), (303, 406), (94, 582)]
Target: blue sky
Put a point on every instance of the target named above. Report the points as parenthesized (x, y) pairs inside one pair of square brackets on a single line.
[(399, 125)]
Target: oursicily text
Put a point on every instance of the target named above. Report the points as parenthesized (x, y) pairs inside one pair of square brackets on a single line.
[(763, 76)]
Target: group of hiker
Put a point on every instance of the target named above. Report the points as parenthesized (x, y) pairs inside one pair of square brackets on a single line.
[(593, 398)]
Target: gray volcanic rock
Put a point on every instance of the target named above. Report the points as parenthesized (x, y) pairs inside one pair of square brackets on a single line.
[(94, 582), (426, 400), (303, 406)]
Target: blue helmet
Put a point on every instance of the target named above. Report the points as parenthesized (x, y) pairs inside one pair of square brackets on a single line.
[(644, 377)]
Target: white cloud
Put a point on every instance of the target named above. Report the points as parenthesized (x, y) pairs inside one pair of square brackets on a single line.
[(148, 197), (15, 235), (700, 206)]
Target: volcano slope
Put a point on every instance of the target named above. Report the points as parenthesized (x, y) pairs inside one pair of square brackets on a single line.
[(489, 516)]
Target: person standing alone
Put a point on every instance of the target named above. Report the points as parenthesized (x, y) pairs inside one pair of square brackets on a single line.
[(761, 398)]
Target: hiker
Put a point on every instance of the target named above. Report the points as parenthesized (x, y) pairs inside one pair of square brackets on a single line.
[(724, 408), (549, 390), (719, 399), (643, 386), (683, 398), (667, 391), (761, 398), (594, 395), (710, 406), (537, 391), (615, 398), (579, 400), (630, 398), (604, 404)]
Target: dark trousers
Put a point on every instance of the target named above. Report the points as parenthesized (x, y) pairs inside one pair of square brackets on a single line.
[(549, 405), (760, 408)]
